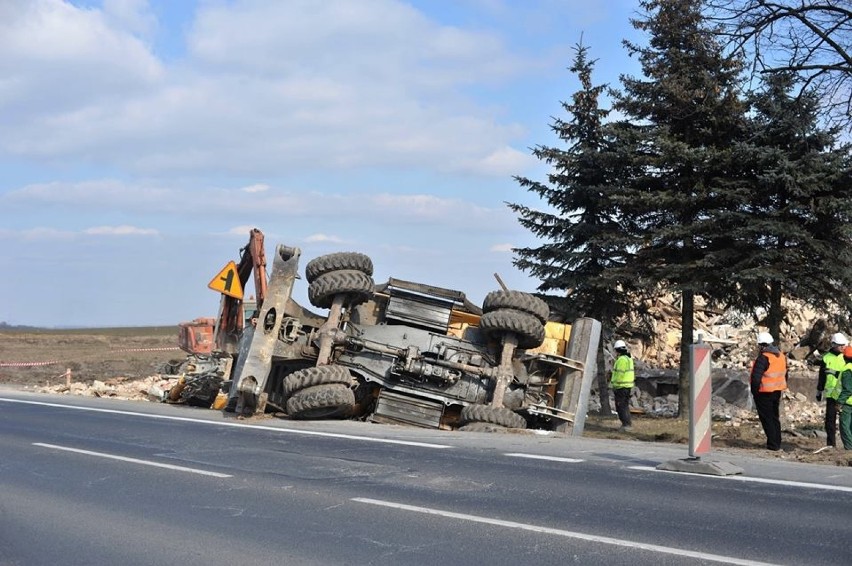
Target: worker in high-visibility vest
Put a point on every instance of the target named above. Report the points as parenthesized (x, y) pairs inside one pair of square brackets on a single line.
[(844, 400), (768, 380), (621, 383), (828, 384)]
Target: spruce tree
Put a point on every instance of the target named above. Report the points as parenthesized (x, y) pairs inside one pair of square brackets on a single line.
[(686, 112), (790, 234), (582, 262)]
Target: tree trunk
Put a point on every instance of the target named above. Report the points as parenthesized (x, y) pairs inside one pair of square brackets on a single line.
[(687, 324), (776, 313)]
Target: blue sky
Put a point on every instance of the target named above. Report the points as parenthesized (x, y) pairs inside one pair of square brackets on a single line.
[(142, 139)]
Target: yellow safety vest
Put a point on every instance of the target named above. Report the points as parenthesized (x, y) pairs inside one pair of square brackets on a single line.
[(834, 365), (623, 375)]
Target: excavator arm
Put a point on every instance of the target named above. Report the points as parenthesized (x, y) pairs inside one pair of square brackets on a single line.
[(231, 320)]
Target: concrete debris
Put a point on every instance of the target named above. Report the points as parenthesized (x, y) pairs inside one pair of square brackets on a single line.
[(195, 382), (136, 389), (732, 334)]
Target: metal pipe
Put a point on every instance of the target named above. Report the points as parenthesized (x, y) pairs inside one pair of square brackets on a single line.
[(504, 370), (328, 330)]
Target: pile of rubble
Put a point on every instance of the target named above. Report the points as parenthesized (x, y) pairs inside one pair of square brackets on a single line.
[(151, 388), (804, 335), (196, 381)]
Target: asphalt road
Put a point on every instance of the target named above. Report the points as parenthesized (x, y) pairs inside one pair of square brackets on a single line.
[(91, 481)]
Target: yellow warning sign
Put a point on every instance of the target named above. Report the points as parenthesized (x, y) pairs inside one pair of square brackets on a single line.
[(227, 282)]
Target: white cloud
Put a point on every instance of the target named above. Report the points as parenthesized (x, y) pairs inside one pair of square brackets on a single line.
[(501, 248), (44, 233), (430, 208), (58, 61), (102, 193), (265, 87), (123, 230), (256, 188), (134, 16), (222, 206), (504, 161), (324, 238), (241, 230)]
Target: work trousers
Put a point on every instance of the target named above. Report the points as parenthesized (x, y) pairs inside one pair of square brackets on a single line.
[(830, 421), (622, 404), (768, 407), (846, 426)]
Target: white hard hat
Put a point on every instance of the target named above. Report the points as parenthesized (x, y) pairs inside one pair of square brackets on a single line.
[(839, 339), (620, 345), (764, 338)]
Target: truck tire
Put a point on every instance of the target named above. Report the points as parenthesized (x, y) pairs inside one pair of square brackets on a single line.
[(329, 401), (526, 327), (516, 300), (492, 415), (356, 285), (309, 377), (342, 261)]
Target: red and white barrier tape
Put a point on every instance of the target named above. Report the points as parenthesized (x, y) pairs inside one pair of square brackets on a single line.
[(26, 364), (146, 349)]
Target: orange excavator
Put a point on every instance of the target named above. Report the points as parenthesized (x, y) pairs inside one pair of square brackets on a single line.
[(212, 344)]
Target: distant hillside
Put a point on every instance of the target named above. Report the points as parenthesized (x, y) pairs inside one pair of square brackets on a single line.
[(111, 331), (7, 326)]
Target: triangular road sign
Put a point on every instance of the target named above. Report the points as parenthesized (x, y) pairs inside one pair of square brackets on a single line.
[(227, 282)]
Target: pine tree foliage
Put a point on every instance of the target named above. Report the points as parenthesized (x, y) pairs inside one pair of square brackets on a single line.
[(790, 232), (696, 189), (585, 251), (687, 111)]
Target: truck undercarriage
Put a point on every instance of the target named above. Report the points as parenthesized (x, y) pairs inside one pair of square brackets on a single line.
[(410, 353)]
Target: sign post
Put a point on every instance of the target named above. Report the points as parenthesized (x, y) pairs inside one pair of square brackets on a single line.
[(700, 411), (699, 407)]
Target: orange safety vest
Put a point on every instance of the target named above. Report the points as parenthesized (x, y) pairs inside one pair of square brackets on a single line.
[(775, 376)]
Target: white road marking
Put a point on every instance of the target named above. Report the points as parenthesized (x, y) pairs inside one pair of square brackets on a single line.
[(750, 479), (563, 533), (133, 460), (230, 424), (538, 457)]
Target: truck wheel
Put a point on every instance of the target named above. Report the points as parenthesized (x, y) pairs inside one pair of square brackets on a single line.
[(516, 300), (492, 415), (356, 285), (342, 261), (309, 377), (330, 401), (526, 327)]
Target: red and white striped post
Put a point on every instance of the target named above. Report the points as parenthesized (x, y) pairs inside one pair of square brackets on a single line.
[(701, 392)]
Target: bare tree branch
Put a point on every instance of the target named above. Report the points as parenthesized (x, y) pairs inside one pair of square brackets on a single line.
[(812, 38)]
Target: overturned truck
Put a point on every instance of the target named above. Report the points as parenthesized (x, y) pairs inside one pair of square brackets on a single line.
[(409, 353)]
